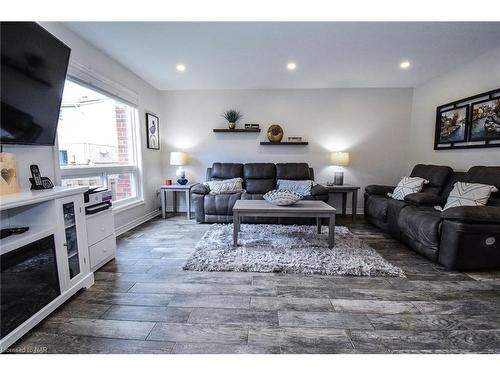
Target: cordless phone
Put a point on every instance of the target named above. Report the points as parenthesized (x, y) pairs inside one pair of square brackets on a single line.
[(37, 181), (35, 172)]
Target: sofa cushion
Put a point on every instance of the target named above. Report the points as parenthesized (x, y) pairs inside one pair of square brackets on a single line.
[(233, 185), (376, 206), (225, 171), (293, 171), (487, 176), (248, 196), (437, 175), (259, 177), (407, 185), (301, 187), (422, 225), (221, 204), (422, 199), (469, 194), (470, 214), (379, 189)]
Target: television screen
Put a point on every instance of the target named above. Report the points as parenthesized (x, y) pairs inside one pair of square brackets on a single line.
[(34, 65)]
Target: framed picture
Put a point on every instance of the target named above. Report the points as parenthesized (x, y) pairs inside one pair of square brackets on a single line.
[(485, 124), (472, 122), (153, 131), (453, 124)]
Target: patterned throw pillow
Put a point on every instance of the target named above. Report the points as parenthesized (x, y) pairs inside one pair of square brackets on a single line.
[(282, 197), (231, 186), (301, 187), (407, 185), (468, 194)]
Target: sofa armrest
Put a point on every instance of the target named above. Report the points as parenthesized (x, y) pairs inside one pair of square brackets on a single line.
[(473, 214), (319, 190), (379, 189), (424, 199), (200, 189)]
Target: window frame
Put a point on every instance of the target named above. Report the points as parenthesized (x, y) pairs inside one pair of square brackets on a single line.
[(136, 169)]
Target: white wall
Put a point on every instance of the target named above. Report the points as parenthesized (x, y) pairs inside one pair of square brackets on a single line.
[(483, 74), (89, 56), (372, 124)]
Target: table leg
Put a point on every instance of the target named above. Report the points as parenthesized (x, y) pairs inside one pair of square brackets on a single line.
[(331, 231), (188, 204), (174, 202), (236, 224), (344, 204), (162, 198), (354, 205), (318, 224)]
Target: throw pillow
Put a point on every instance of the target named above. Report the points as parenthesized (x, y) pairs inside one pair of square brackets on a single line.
[(407, 185), (468, 194), (282, 197), (231, 186), (301, 187)]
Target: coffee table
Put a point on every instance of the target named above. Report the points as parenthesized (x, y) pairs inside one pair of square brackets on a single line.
[(262, 208)]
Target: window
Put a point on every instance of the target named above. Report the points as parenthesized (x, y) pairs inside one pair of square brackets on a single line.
[(98, 143)]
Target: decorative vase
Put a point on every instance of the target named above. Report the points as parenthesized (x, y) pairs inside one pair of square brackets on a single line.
[(231, 125), (275, 133)]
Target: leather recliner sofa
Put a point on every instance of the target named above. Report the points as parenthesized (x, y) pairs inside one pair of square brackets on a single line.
[(459, 238), (258, 179)]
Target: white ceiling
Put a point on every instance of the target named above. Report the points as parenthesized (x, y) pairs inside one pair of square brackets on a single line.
[(244, 55)]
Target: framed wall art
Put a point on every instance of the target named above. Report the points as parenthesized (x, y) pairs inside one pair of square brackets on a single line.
[(153, 131), (472, 122)]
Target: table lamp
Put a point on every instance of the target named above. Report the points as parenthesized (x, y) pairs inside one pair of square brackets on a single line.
[(339, 160), (179, 158)]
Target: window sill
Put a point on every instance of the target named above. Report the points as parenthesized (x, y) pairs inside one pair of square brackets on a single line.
[(128, 206)]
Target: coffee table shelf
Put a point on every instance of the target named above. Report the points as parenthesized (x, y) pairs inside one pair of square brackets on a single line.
[(262, 208)]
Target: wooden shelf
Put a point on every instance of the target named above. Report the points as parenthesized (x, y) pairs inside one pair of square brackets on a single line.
[(222, 130), (284, 143)]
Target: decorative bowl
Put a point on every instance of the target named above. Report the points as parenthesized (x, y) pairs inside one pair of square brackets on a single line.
[(282, 197), (275, 133)]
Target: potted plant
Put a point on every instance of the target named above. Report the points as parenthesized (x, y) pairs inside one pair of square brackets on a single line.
[(232, 116)]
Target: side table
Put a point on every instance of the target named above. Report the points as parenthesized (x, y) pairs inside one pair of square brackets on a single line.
[(344, 190), (176, 188)]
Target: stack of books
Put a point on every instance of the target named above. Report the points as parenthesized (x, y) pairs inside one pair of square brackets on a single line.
[(251, 126)]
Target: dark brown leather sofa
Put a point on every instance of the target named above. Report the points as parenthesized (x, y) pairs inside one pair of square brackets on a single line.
[(458, 238), (258, 179)]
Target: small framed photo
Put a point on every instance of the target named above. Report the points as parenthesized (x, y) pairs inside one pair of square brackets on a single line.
[(453, 125), (485, 124), (153, 131)]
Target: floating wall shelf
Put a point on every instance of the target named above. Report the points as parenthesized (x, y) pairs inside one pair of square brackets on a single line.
[(222, 130), (284, 143)]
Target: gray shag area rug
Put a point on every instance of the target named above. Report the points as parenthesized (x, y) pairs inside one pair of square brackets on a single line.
[(288, 249)]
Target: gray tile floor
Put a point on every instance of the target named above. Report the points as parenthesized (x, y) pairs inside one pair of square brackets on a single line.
[(144, 303)]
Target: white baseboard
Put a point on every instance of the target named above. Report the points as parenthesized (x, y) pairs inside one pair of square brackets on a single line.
[(136, 222)]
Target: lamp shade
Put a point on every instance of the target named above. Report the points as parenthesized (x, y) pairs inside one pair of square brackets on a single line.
[(340, 159), (178, 158)]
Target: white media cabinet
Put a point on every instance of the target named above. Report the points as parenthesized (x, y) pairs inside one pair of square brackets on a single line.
[(57, 212)]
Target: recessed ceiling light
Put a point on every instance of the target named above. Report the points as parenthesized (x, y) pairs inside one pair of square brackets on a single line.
[(291, 66), (405, 65), (180, 68)]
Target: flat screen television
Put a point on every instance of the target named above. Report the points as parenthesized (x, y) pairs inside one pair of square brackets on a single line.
[(34, 65)]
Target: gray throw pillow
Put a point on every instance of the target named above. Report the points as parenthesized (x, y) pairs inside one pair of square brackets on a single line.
[(231, 186), (468, 194), (301, 187)]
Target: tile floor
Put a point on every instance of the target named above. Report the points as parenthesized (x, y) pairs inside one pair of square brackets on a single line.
[(143, 302)]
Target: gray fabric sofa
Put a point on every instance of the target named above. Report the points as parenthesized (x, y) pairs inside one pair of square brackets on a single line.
[(459, 237), (258, 179)]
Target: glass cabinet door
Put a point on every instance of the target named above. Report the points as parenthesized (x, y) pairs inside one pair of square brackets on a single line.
[(71, 240)]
